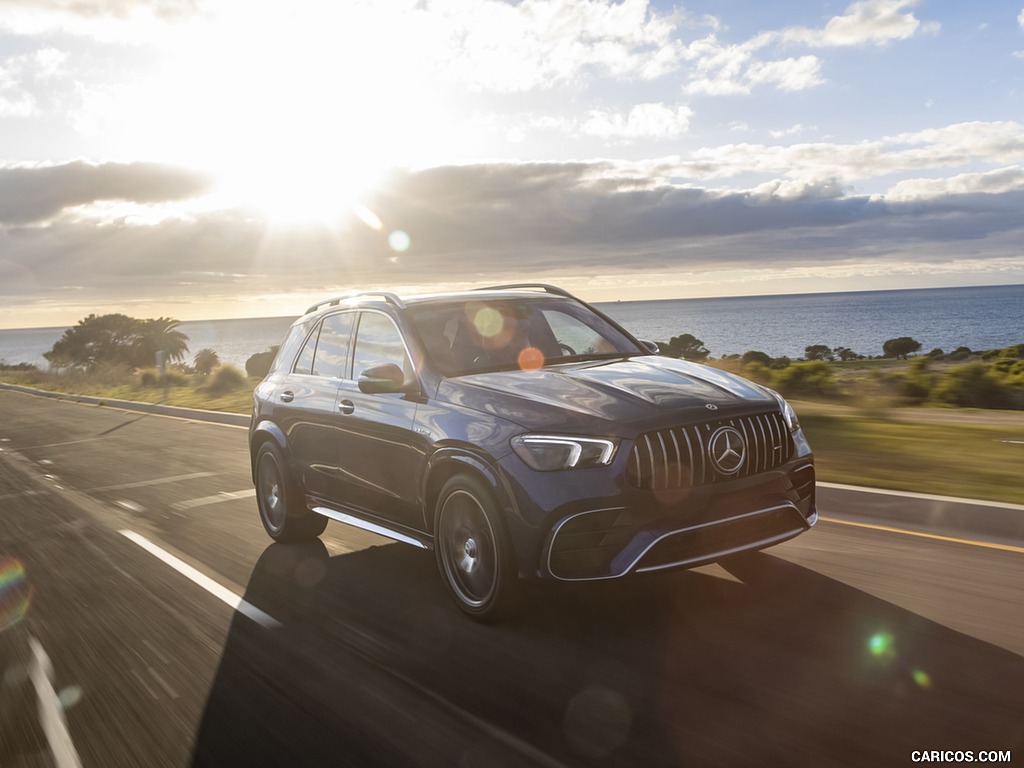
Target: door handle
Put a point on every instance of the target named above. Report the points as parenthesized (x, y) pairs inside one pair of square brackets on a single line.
[(287, 396), (346, 406)]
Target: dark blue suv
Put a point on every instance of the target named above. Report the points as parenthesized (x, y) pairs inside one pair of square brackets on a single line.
[(521, 434)]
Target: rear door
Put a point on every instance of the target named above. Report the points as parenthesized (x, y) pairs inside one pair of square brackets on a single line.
[(312, 420)]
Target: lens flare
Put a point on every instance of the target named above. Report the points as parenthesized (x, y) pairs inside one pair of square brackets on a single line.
[(399, 241), (488, 322), (882, 645), (15, 592), (368, 217), (922, 679), (531, 359)]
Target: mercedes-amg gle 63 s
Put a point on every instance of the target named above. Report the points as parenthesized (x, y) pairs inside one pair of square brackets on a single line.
[(522, 435)]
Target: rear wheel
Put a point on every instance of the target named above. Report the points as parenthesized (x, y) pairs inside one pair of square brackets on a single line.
[(474, 554), (281, 500)]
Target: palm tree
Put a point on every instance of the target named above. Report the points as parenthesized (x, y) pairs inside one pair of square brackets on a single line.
[(160, 335), (205, 361)]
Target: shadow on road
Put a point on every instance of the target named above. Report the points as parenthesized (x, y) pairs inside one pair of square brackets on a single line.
[(375, 666)]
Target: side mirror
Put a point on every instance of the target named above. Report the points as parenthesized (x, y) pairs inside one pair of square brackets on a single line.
[(652, 346), (382, 378)]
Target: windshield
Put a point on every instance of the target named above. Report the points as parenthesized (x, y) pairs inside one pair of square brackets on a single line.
[(477, 336)]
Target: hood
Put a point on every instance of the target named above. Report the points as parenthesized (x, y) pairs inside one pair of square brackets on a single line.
[(618, 393)]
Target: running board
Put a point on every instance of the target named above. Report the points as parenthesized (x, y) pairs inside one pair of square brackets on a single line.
[(380, 530)]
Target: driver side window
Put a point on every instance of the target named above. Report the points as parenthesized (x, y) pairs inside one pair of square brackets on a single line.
[(574, 336), (378, 342)]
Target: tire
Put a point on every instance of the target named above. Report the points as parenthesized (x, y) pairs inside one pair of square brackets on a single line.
[(281, 500), (474, 553)]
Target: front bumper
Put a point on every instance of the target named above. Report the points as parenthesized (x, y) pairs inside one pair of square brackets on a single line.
[(606, 529)]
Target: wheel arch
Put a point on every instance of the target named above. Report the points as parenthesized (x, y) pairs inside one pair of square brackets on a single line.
[(446, 463), (261, 433)]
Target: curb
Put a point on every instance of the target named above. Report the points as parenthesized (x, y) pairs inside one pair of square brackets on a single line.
[(989, 521), (195, 414)]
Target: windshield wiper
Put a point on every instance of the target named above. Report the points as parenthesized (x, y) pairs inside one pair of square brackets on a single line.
[(587, 357)]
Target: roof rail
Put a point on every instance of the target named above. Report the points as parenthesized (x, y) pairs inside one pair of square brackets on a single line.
[(541, 286), (393, 298)]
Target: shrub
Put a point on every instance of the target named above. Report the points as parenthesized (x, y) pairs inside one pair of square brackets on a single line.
[(258, 365), (758, 372), (960, 353), (916, 384), (974, 385), (754, 356), (150, 377), (805, 378), (227, 378)]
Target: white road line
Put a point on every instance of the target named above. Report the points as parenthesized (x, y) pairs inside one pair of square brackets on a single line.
[(51, 713), (215, 499), (925, 496), (20, 494), (145, 483), (217, 590)]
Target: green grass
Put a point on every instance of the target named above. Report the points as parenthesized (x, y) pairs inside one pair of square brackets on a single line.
[(975, 461), (194, 395)]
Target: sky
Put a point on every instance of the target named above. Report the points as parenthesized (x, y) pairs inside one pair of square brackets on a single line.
[(219, 158)]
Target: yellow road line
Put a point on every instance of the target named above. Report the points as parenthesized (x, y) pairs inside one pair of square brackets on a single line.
[(953, 539)]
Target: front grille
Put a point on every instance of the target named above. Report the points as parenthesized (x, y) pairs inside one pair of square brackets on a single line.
[(679, 457)]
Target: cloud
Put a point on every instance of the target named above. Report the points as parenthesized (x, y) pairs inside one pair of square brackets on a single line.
[(481, 222), (865, 22), (31, 194), (721, 70), (19, 73), (998, 142), (643, 121), (788, 74), (121, 21), (997, 182), (546, 43)]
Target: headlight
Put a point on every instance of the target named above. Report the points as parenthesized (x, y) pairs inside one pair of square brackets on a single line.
[(792, 420), (547, 453)]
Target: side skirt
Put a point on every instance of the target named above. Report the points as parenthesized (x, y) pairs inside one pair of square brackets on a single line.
[(405, 536)]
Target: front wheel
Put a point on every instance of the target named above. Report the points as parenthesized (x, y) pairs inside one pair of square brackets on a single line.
[(281, 501), (474, 554)]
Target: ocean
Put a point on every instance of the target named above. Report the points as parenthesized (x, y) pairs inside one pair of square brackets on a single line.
[(947, 318)]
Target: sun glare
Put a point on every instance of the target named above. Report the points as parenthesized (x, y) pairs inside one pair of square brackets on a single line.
[(299, 114)]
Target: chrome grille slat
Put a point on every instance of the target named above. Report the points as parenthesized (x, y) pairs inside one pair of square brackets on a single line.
[(765, 438), (690, 452), (665, 460), (766, 441), (679, 459)]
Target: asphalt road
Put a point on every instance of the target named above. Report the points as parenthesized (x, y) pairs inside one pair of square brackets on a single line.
[(132, 555)]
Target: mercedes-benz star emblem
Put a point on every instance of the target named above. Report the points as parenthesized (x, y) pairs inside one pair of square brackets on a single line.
[(727, 449)]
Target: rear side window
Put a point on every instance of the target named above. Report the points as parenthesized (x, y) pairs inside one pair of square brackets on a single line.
[(290, 345), (304, 363), (332, 347)]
